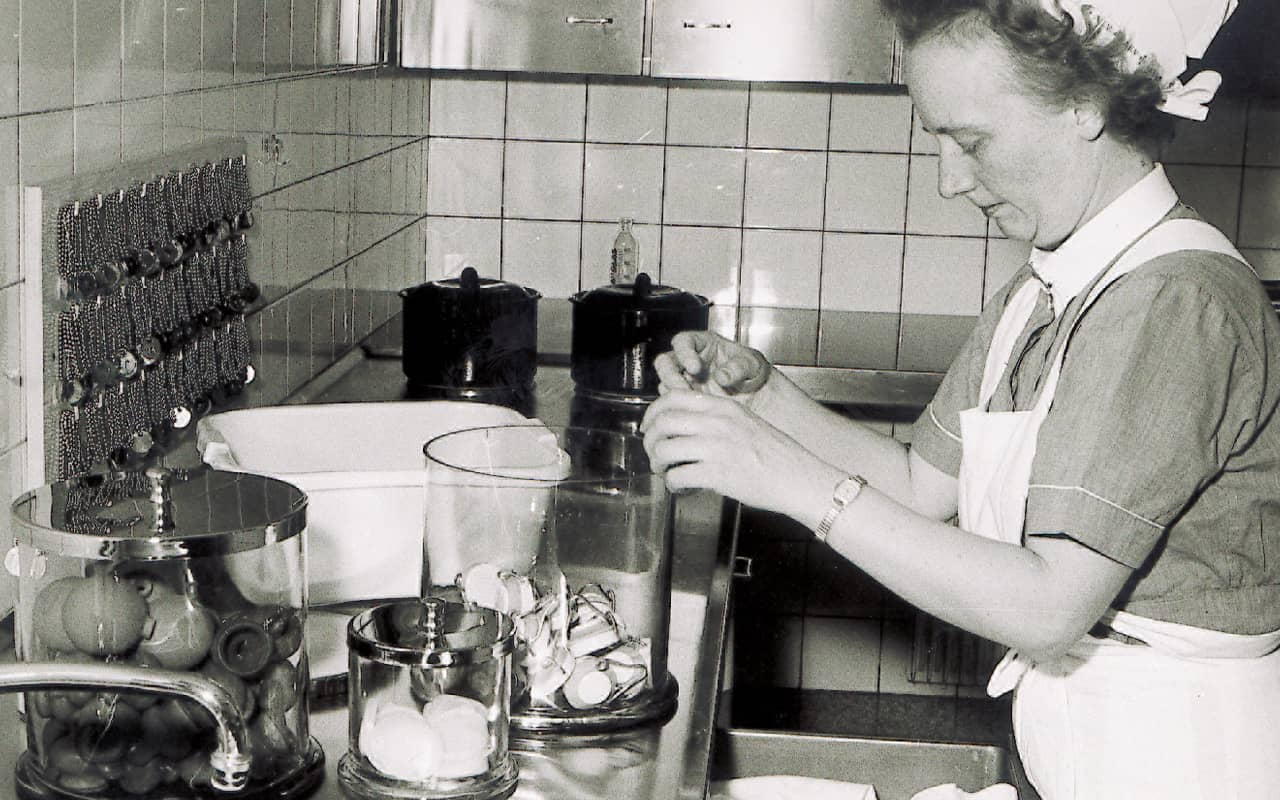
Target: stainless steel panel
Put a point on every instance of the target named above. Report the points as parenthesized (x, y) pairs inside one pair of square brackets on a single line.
[(578, 36), (896, 768), (840, 41)]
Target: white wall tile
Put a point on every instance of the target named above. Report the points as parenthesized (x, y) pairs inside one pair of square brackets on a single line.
[(250, 39), (9, 36), (781, 268), (302, 35), (143, 130), (626, 110), (464, 177), (789, 116), (218, 42), (862, 272), (623, 181), (97, 137), (867, 121), (1263, 143), (328, 28), (182, 67), (785, 188), (182, 124), (276, 45), (12, 421), (97, 47), (453, 243), (703, 186), (551, 108), (706, 261), (543, 180), (840, 654), (1211, 190), (542, 255), (597, 251), (710, 113), (217, 110), (931, 213), (1217, 140), (10, 203), (866, 193), (943, 275), (46, 63), (1260, 208), (53, 157), (463, 105)]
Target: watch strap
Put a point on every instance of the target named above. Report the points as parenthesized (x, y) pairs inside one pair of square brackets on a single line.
[(845, 492)]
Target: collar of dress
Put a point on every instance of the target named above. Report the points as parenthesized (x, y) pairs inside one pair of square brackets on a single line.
[(1078, 260)]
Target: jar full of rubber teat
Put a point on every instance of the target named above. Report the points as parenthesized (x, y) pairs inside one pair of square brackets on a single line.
[(160, 637), (429, 693)]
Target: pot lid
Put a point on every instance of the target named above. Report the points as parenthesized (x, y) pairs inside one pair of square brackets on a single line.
[(643, 295), (431, 632), (159, 513), (469, 290)]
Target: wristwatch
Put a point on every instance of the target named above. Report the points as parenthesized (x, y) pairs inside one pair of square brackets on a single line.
[(846, 492)]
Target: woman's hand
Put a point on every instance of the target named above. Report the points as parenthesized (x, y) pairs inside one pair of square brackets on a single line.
[(707, 362), (699, 441)]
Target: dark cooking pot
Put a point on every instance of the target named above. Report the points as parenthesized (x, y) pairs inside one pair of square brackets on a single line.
[(469, 336), (619, 329)]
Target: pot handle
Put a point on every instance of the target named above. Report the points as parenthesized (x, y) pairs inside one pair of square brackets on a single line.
[(469, 280), (643, 286)]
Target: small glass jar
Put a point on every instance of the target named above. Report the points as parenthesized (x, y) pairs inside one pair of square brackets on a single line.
[(429, 692), (185, 572), (568, 531)]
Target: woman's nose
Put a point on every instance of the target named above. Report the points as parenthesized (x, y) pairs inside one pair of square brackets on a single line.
[(954, 175)]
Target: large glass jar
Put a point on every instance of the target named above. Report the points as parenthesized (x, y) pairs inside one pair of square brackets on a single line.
[(184, 572), (568, 531)]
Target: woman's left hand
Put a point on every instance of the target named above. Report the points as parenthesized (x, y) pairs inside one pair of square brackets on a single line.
[(700, 441)]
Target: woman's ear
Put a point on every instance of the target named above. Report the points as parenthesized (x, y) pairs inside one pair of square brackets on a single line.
[(1090, 120)]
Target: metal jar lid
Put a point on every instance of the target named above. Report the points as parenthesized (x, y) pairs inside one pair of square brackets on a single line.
[(430, 633), (159, 514)]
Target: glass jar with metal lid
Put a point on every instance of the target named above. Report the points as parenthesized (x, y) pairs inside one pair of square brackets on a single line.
[(165, 611), (429, 691)]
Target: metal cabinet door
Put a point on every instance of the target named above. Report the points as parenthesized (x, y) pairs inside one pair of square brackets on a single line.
[(836, 41), (585, 36)]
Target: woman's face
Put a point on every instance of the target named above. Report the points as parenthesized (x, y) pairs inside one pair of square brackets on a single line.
[(1025, 166)]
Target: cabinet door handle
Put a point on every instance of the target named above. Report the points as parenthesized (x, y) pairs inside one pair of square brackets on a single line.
[(589, 20), (688, 23)]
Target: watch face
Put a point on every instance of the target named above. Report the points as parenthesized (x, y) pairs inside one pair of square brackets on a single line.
[(847, 490)]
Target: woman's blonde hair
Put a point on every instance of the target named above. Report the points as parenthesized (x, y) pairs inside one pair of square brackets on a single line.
[(1051, 61)]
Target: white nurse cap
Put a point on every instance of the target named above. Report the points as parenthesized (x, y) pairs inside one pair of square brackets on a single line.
[(1164, 33)]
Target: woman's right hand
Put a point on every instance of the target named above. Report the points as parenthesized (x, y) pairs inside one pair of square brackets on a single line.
[(707, 362)]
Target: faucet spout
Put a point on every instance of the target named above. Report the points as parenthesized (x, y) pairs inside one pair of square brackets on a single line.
[(230, 761)]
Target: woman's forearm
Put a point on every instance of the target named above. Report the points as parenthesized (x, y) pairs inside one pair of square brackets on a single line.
[(846, 443), (1046, 596)]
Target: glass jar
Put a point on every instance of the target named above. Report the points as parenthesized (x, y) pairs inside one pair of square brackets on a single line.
[(568, 531), (429, 690), (184, 573)]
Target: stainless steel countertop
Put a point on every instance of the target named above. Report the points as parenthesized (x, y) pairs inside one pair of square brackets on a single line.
[(670, 761)]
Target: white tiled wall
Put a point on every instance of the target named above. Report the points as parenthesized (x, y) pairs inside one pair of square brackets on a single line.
[(787, 205)]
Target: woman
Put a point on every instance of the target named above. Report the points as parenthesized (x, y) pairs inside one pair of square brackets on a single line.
[(1108, 435)]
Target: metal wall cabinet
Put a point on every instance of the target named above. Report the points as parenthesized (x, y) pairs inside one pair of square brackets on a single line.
[(578, 36), (831, 41)]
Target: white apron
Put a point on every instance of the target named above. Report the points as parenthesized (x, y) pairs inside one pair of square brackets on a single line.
[(1194, 713)]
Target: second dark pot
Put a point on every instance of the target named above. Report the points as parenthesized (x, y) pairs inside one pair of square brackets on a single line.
[(619, 329)]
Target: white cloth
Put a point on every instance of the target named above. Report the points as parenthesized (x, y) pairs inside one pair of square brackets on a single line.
[(1162, 32), (1110, 720), (795, 787)]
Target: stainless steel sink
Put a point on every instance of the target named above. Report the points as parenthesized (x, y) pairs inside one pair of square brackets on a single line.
[(896, 768)]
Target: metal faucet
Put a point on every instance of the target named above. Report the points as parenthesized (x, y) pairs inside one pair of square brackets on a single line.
[(230, 761)]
